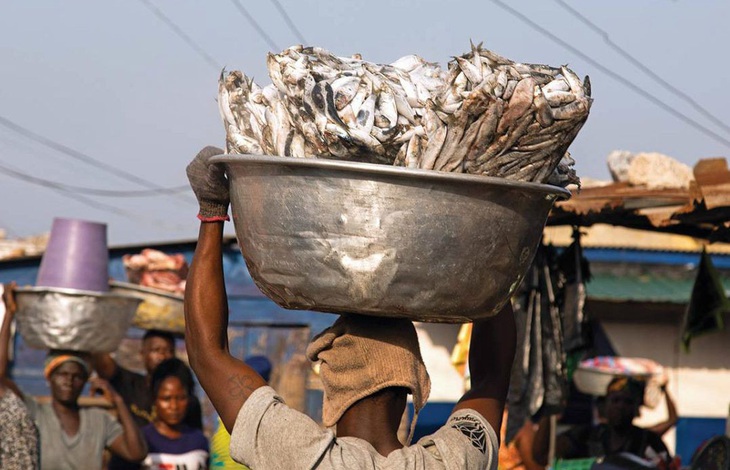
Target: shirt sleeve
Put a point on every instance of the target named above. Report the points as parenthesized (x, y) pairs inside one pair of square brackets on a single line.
[(112, 428), (269, 434), (32, 405), (657, 450), (467, 441)]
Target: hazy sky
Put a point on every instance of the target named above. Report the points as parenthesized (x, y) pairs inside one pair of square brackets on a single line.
[(113, 82)]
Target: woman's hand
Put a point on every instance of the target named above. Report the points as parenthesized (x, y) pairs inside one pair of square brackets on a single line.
[(9, 299), (99, 386)]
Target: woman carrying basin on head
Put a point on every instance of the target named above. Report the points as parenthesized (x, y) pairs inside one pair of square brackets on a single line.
[(72, 437)]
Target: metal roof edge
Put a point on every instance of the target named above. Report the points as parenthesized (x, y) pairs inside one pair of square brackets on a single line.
[(227, 240), (642, 256)]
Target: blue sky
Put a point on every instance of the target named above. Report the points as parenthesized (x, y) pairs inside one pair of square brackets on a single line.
[(113, 81)]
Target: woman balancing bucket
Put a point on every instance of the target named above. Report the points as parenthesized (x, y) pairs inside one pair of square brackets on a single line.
[(76, 257)]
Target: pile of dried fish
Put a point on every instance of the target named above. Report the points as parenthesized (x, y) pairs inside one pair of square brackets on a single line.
[(485, 115)]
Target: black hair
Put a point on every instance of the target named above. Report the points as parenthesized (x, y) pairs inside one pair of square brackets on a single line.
[(172, 367), (159, 334)]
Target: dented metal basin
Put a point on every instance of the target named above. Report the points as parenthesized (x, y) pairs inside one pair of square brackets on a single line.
[(347, 237), (57, 318)]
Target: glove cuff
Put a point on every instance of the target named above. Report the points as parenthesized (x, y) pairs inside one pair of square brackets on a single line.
[(213, 219), (213, 212)]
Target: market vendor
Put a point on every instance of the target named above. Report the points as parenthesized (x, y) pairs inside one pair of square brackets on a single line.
[(368, 365), (72, 437), (615, 435)]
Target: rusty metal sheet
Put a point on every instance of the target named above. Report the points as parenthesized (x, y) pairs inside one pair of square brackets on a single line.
[(700, 211), (713, 181)]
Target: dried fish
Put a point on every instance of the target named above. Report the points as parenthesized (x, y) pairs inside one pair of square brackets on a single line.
[(485, 115), (558, 98), (344, 89), (543, 112), (518, 105)]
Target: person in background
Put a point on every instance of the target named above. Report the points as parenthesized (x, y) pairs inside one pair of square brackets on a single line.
[(616, 435), (171, 442), (368, 366), (517, 454), (157, 346), (662, 428), (19, 448), (72, 437), (220, 457)]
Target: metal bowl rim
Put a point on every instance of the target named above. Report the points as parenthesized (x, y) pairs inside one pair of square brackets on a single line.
[(74, 292), (376, 168), (145, 290)]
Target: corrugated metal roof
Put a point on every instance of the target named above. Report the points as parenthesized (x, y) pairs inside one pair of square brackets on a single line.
[(701, 211), (641, 288), (647, 288)]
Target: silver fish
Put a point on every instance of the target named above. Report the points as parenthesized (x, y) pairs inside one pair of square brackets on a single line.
[(348, 116), (386, 105), (275, 72), (575, 110), (543, 112), (558, 98), (509, 89), (494, 59), (518, 104), (345, 89), (408, 63), (558, 84), (363, 91), (366, 114), (472, 73), (224, 105), (414, 150), (576, 85), (433, 148)]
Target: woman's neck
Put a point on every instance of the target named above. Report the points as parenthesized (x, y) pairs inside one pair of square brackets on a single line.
[(172, 431), (68, 416)]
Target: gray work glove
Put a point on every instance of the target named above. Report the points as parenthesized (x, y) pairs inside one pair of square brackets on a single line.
[(210, 185)]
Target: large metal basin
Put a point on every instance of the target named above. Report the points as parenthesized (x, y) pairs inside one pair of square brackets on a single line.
[(347, 237), (56, 318), (159, 310)]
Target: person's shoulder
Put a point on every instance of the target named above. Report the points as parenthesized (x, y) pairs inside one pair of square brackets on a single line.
[(192, 432), (583, 431), (96, 415), (259, 400), (197, 437), (467, 438), (475, 427), (469, 418), (148, 429), (650, 437), (124, 376)]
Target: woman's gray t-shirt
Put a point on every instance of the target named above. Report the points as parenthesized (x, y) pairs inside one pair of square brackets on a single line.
[(97, 430), (268, 435)]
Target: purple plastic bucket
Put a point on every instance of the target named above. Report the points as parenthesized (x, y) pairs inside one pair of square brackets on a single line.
[(76, 256)]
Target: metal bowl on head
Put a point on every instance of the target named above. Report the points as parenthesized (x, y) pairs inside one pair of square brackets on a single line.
[(159, 310), (57, 318), (345, 237)]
